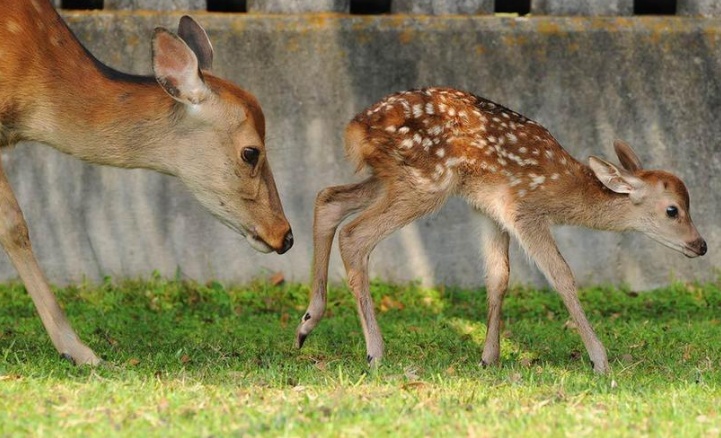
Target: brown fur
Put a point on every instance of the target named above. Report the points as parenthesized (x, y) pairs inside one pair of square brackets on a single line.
[(181, 122)]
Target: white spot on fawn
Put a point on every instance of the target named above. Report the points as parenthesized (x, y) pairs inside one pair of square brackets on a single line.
[(429, 108), (441, 152), (404, 130), (536, 180), (391, 129), (435, 130), (522, 150), (407, 143), (453, 161), (417, 110), (555, 176), (511, 137)]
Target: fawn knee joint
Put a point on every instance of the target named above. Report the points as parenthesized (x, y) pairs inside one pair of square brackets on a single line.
[(13, 229), (324, 196)]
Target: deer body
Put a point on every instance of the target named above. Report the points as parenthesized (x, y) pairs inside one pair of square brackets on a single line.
[(423, 146), (183, 121)]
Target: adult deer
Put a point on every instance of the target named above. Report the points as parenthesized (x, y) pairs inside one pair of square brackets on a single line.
[(425, 145), (184, 121)]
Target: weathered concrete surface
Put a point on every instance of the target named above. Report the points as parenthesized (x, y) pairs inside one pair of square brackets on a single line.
[(442, 7), (708, 8), (587, 8), (651, 81), (298, 6), (165, 5)]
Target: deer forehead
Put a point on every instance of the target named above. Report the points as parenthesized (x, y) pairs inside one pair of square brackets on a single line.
[(667, 184), (237, 105)]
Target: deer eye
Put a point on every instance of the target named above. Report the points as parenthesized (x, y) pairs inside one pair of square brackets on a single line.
[(672, 212), (250, 155)]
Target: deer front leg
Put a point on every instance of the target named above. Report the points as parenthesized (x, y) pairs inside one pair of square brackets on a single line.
[(332, 206), (495, 251), (14, 237), (537, 240)]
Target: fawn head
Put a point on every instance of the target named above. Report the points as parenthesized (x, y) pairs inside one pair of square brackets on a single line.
[(660, 201), (220, 154)]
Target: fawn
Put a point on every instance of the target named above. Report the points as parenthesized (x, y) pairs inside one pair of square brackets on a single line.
[(184, 121), (423, 146)]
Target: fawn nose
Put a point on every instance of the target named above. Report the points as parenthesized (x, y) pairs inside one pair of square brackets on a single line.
[(287, 242), (702, 248)]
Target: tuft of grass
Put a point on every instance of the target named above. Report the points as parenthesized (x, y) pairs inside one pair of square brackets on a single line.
[(185, 358)]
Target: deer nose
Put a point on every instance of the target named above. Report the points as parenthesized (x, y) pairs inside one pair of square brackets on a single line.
[(287, 242), (702, 248)]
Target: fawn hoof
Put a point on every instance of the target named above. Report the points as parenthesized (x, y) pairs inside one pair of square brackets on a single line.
[(373, 361), (300, 340), (601, 368), (68, 357), (81, 356)]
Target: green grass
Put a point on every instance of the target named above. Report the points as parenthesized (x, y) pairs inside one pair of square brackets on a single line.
[(186, 359)]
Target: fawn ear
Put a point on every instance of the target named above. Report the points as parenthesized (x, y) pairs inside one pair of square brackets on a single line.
[(176, 68), (195, 37), (618, 180), (629, 159)]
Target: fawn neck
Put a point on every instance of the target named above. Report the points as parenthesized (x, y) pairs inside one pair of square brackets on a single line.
[(580, 199), (63, 96)]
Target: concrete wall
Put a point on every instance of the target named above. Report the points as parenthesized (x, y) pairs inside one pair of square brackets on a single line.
[(651, 81)]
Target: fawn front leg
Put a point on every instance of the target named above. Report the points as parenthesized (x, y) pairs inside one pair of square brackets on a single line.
[(332, 205), (495, 251), (537, 240), (15, 239)]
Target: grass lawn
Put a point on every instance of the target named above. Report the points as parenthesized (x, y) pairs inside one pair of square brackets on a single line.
[(186, 359)]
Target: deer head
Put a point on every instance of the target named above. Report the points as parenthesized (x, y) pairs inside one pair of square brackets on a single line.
[(660, 201), (221, 154)]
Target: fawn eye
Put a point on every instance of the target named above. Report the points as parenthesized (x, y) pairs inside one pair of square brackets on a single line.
[(250, 155), (672, 212)]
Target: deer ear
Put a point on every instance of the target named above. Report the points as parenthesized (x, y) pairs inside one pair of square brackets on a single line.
[(629, 159), (618, 180), (176, 68), (195, 37)]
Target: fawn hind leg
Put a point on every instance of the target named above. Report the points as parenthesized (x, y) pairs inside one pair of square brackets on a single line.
[(15, 239), (332, 206), (398, 207), (495, 251)]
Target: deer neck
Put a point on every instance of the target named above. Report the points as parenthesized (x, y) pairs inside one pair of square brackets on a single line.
[(80, 106), (584, 201)]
